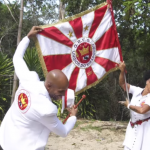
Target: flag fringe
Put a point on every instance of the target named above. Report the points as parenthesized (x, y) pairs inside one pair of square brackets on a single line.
[(40, 56), (96, 82)]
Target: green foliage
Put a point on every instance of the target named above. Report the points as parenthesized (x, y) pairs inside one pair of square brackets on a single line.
[(43, 11), (32, 61), (35, 13), (8, 28), (6, 72), (59, 106), (75, 7), (85, 108), (6, 65), (134, 35)]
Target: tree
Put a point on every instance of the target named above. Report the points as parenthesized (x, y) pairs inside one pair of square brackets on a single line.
[(41, 11), (75, 7), (18, 40), (8, 29)]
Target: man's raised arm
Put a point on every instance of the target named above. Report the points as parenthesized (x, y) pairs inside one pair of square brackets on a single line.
[(20, 66)]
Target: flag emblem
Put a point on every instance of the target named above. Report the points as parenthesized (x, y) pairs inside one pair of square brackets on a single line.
[(85, 47), (83, 52)]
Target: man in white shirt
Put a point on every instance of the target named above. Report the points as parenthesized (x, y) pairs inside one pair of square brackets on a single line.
[(32, 116), (138, 130)]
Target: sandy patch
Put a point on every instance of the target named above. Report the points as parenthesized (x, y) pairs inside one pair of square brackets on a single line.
[(90, 135)]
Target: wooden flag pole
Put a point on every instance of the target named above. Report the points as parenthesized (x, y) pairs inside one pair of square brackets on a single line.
[(83, 97)]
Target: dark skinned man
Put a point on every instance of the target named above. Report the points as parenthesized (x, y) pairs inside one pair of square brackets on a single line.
[(32, 116)]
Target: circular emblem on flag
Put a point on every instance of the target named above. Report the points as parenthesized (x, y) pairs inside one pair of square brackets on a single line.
[(24, 101), (83, 52)]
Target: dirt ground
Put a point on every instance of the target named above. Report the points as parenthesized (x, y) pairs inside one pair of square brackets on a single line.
[(90, 135)]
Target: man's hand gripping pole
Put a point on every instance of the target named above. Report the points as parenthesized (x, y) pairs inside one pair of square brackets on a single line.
[(83, 97)]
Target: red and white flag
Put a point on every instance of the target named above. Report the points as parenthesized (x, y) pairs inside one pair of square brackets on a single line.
[(85, 47)]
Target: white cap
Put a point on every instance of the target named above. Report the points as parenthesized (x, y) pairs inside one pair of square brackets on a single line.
[(68, 99)]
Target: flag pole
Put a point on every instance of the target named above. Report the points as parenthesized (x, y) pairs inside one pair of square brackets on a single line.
[(127, 93), (126, 86)]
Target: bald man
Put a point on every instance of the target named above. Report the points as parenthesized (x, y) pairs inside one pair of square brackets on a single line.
[(56, 84), (32, 116)]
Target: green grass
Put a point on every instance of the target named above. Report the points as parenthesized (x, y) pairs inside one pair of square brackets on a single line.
[(78, 123), (90, 127)]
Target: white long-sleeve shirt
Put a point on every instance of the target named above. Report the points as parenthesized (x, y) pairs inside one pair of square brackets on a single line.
[(32, 116)]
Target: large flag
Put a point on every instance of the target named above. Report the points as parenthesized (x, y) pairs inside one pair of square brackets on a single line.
[(85, 47)]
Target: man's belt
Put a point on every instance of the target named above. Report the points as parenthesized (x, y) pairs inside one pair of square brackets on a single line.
[(139, 122)]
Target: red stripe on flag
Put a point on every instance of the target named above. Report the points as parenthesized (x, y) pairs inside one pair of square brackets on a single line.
[(77, 27), (99, 14), (105, 63), (57, 61), (55, 34), (73, 79), (108, 40), (91, 77)]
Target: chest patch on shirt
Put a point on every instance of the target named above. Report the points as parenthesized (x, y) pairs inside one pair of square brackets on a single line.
[(142, 103), (24, 101)]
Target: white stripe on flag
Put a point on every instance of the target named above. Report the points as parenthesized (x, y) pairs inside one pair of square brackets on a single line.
[(98, 70), (111, 54), (68, 70), (51, 47), (65, 28), (87, 21), (81, 80), (105, 24)]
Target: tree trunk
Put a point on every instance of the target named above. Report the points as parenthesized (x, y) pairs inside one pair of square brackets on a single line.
[(15, 81), (61, 10)]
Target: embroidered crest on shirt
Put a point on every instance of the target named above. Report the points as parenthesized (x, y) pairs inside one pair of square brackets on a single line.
[(142, 104), (24, 101)]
